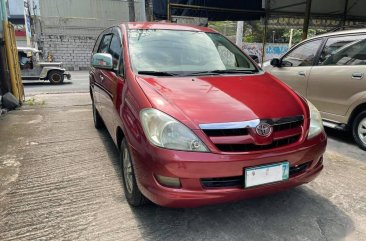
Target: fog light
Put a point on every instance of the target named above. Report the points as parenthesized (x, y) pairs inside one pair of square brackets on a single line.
[(168, 181)]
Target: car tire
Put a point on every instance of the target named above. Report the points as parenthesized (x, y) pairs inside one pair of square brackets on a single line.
[(359, 130), (133, 194), (56, 77), (98, 121)]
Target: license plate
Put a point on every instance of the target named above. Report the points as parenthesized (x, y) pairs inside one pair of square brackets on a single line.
[(255, 176)]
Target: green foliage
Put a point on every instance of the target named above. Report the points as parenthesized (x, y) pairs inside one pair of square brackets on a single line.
[(297, 34)]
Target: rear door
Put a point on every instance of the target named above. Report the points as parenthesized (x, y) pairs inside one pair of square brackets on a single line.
[(338, 79), (113, 82), (296, 65)]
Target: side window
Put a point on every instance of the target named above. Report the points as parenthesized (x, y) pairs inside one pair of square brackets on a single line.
[(97, 43), (104, 44), (303, 55), (337, 46), (351, 54), (227, 57), (115, 49)]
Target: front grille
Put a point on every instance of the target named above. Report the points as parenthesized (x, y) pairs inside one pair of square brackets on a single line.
[(227, 132), (286, 131), (222, 182), (287, 126), (254, 147), (238, 181)]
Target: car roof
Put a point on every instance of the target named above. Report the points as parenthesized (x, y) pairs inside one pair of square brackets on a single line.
[(168, 26), (344, 32), (28, 49)]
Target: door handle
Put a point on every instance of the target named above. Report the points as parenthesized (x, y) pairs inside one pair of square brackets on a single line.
[(101, 78), (302, 73), (357, 75)]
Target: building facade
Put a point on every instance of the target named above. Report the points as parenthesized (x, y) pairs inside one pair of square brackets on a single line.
[(65, 31)]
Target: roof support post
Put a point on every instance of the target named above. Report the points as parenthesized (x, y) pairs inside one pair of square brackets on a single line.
[(267, 8), (306, 19), (168, 14), (345, 13)]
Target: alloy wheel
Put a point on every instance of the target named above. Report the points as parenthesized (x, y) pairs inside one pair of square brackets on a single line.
[(362, 130), (127, 170)]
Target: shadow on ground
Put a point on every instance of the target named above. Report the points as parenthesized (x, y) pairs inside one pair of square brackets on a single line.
[(41, 83), (297, 214), (343, 136)]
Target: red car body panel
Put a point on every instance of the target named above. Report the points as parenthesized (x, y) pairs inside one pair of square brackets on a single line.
[(235, 98), (200, 100)]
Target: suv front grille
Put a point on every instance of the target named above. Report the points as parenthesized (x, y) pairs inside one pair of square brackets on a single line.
[(254, 147), (227, 132), (238, 181), (240, 136)]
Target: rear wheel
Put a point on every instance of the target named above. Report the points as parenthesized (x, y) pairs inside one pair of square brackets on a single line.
[(359, 130), (56, 77), (133, 194)]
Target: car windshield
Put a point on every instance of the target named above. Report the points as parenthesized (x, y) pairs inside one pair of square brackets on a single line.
[(174, 52)]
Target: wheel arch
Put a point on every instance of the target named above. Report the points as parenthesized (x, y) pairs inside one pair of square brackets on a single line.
[(361, 107), (119, 137)]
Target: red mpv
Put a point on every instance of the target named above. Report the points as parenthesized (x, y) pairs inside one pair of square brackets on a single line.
[(196, 121)]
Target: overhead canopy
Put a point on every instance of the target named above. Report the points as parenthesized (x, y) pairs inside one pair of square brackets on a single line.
[(333, 9), (213, 10)]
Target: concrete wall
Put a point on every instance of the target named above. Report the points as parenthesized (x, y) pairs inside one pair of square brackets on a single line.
[(69, 28)]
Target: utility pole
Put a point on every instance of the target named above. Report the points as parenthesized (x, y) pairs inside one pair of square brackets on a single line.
[(239, 34), (131, 10)]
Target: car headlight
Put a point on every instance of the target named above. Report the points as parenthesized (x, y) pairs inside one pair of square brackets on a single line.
[(164, 131), (316, 123)]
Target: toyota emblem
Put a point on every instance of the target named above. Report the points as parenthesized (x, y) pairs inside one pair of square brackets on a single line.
[(264, 129)]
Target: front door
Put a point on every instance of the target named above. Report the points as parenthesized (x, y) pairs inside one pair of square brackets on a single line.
[(112, 83), (296, 66)]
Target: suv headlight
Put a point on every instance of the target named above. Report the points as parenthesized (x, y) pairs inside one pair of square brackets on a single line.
[(164, 131), (316, 123)]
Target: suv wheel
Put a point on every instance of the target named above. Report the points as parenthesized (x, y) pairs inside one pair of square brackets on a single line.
[(359, 130), (133, 195), (56, 77)]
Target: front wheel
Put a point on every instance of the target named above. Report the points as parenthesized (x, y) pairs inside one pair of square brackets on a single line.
[(98, 121), (56, 77), (132, 192), (359, 130)]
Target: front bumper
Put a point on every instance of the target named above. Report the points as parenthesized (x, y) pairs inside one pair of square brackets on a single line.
[(191, 167), (68, 75)]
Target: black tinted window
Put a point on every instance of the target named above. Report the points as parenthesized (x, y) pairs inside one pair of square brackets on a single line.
[(347, 50), (303, 55), (115, 50), (104, 44)]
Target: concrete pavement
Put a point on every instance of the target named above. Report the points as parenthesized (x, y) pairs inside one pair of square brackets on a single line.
[(79, 83), (60, 180)]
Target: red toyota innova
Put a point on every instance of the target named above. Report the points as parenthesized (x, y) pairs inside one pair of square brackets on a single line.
[(196, 121)]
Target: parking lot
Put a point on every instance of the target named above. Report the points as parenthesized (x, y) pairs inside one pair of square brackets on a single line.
[(61, 180)]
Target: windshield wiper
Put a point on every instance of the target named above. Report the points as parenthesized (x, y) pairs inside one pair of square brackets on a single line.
[(157, 73), (224, 71)]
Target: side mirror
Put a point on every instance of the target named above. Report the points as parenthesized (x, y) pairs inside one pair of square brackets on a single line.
[(254, 57), (276, 62), (102, 61)]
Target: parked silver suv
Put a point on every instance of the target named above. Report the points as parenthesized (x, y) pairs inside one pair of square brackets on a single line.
[(329, 70)]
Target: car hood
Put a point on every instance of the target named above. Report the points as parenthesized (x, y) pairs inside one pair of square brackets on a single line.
[(220, 99), (50, 64)]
